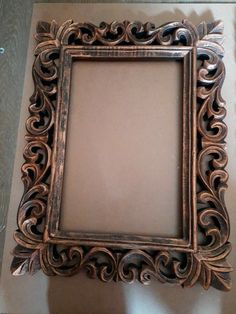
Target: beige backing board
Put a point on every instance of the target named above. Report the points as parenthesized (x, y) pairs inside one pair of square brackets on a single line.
[(123, 153), (78, 294)]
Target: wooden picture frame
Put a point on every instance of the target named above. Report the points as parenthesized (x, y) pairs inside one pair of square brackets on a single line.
[(200, 255)]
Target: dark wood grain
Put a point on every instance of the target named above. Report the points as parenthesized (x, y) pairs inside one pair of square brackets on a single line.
[(40, 247)]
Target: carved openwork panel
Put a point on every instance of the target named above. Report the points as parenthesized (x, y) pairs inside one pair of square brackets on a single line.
[(200, 255)]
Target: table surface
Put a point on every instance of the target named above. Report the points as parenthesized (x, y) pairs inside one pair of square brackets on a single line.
[(46, 294), (15, 19)]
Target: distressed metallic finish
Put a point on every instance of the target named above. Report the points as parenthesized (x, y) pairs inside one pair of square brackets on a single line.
[(207, 264)]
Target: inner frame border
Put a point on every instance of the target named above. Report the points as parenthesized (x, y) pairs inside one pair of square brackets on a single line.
[(188, 152)]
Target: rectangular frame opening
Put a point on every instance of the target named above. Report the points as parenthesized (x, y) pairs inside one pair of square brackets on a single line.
[(70, 54)]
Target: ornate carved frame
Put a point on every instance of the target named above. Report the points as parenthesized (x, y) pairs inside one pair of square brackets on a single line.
[(201, 254)]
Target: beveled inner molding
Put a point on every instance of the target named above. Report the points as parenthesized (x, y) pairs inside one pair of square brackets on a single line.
[(188, 177), (200, 253)]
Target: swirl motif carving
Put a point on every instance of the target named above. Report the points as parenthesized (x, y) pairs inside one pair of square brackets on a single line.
[(208, 265)]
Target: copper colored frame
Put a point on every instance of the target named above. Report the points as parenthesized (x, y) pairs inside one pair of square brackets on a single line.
[(200, 255)]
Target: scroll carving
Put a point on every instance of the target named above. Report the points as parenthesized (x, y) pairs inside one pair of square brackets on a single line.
[(208, 265)]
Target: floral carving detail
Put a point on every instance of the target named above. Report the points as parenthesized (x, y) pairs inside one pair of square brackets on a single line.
[(208, 265)]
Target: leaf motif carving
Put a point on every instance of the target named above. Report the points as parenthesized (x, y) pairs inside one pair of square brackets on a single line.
[(215, 269), (43, 27), (25, 261)]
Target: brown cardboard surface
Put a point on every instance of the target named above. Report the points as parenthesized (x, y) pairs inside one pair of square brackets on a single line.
[(123, 153), (78, 294)]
